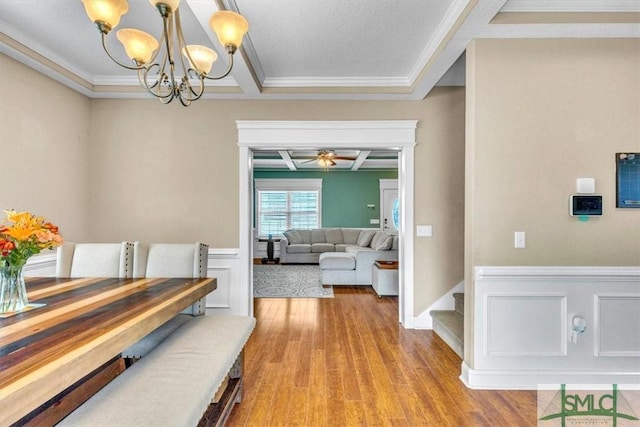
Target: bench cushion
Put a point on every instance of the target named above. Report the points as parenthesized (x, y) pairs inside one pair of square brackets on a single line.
[(149, 342), (337, 261), (174, 384)]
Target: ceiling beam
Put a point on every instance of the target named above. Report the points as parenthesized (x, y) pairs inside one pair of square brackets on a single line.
[(362, 156), (287, 160)]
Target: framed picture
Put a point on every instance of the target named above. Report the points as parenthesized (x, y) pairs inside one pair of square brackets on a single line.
[(628, 180)]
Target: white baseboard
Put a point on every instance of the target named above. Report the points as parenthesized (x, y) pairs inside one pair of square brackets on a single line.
[(531, 379), (446, 302)]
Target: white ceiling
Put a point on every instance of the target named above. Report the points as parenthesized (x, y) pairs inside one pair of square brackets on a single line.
[(308, 49)]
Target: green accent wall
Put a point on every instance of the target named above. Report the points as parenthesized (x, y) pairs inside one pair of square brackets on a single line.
[(345, 194)]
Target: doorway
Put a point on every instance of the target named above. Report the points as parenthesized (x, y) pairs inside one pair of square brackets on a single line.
[(292, 135)]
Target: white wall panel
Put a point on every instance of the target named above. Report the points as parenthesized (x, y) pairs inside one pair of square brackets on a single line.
[(617, 325), (514, 326)]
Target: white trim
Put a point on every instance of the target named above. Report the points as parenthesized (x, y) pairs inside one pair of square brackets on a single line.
[(288, 184), (40, 263), (561, 273), (281, 135), (530, 379)]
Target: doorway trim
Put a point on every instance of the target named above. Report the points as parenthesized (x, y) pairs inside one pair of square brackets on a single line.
[(299, 135)]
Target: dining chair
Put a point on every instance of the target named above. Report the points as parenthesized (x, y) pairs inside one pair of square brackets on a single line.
[(94, 260), (174, 260)]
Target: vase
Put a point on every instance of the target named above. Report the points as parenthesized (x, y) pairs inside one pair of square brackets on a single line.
[(13, 292)]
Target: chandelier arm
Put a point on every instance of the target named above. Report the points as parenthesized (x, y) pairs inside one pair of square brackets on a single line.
[(226, 73), (157, 84), (128, 67)]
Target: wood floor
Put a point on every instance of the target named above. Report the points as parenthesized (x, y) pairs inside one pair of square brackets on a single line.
[(345, 361)]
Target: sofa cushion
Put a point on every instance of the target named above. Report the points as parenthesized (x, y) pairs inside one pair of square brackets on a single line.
[(364, 239), (299, 248), (293, 237), (377, 236), (322, 247), (337, 261), (318, 236), (334, 235), (306, 236), (350, 236), (340, 247), (383, 243)]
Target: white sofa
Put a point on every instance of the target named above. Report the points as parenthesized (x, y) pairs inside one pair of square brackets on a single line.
[(346, 255), (305, 246)]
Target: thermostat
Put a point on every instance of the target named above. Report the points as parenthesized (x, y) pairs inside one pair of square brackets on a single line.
[(585, 205)]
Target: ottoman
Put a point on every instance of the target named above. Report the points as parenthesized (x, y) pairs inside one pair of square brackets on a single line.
[(338, 268)]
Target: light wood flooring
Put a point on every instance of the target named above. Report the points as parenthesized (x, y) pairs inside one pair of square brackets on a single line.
[(346, 361)]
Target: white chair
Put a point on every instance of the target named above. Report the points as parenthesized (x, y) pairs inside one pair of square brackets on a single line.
[(94, 260), (168, 260)]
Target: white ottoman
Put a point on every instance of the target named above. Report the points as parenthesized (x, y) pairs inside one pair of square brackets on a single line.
[(385, 277), (338, 268)]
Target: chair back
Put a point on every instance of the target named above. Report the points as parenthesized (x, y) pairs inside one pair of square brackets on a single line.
[(95, 260), (170, 259)]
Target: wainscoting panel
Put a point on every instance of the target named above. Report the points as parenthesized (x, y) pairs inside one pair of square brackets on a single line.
[(231, 296), (523, 327), (513, 326), (41, 265), (613, 314)]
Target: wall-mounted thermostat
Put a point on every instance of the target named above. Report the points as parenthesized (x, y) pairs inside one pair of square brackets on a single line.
[(585, 205)]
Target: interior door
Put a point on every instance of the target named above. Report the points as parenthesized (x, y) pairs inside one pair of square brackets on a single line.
[(389, 200)]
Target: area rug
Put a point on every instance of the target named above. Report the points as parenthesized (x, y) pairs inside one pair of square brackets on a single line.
[(289, 281)]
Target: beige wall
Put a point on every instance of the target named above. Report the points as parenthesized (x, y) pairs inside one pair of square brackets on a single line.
[(44, 149), (540, 114), (154, 172)]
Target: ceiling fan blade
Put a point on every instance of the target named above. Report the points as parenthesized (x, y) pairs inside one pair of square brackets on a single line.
[(344, 158)]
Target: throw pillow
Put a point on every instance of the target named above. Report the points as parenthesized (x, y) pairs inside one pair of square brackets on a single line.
[(364, 239), (379, 235), (384, 244), (293, 237)]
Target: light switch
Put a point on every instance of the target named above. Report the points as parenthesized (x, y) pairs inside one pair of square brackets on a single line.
[(519, 240), (424, 231)]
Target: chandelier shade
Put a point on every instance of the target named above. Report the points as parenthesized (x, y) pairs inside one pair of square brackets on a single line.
[(138, 45), (229, 27), (107, 12), (201, 58), (159, 78)]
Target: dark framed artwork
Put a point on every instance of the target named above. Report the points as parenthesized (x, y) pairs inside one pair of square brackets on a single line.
[(628, 180)]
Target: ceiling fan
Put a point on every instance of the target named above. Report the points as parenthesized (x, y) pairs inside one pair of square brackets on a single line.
[(327, 158)]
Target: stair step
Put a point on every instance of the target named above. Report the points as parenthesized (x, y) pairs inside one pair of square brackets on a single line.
[(449, 325), (459, 301)]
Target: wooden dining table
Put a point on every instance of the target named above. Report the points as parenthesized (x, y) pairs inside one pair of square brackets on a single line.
[(82, 328)]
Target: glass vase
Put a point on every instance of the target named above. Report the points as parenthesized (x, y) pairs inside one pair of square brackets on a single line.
[(13, 292)]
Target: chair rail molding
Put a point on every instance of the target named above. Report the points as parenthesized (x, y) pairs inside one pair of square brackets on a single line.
[(283, 135), (523, 326)]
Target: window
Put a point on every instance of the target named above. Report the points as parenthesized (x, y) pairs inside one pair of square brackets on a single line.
[(283, 204)]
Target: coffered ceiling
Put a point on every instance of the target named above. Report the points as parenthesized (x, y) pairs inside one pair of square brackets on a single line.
[(308, 49)]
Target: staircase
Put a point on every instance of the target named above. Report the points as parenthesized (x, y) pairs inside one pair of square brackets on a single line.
[(449, 324)]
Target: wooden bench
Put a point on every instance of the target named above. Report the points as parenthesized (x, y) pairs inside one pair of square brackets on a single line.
[(175, 383)]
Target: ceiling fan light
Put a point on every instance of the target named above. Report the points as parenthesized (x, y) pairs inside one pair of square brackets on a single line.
[(229, 26), (138, 45), (203, 57), (173, 4), (107, 11)]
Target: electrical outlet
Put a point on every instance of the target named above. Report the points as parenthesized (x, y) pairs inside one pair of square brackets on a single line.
[(519, 242), (374, 221)]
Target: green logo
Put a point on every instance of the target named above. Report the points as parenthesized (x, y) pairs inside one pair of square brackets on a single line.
[(588, 405)]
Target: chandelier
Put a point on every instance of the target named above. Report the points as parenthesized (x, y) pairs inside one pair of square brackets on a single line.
[(157, 74)]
